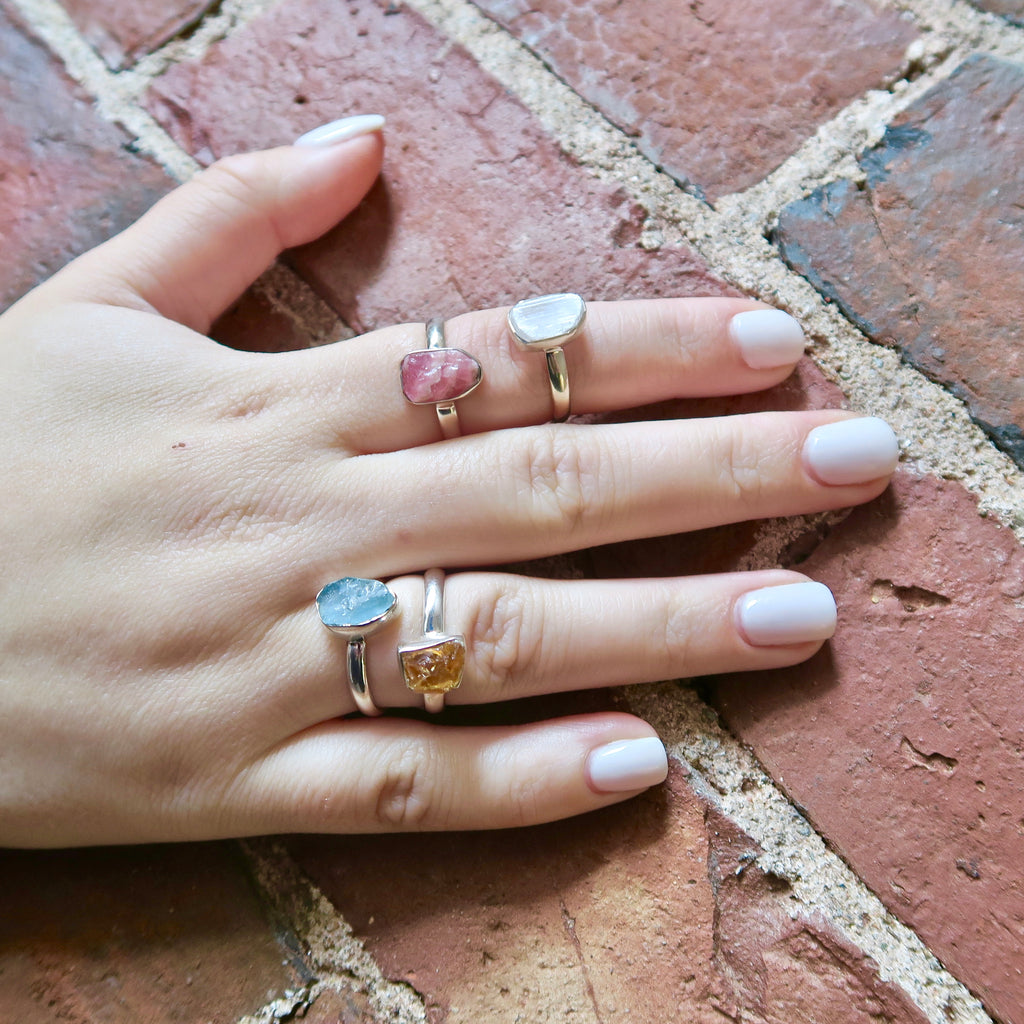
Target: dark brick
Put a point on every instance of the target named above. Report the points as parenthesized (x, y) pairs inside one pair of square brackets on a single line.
[(1012, 10), (154, 934), (476, 207), (928, 255), (68, 180), (718, 92), (124, 30), (902, 739), (649, 911)]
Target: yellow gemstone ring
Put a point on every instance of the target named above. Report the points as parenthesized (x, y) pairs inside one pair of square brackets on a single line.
[(433, 664)]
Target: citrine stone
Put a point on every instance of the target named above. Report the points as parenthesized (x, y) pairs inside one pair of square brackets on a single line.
[(433, 375), (433, 667), (547, 321)]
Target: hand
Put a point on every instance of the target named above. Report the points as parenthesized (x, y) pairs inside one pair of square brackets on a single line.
[(171, 507)]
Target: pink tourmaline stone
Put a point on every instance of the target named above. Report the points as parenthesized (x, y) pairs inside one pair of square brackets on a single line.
[(433, 375)]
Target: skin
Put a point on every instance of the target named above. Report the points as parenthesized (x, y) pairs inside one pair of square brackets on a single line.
[(171, 507)]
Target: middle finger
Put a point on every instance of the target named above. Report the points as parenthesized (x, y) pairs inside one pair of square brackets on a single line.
[(520, 494)]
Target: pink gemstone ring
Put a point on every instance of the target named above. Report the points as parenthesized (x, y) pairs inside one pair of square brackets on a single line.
[(440, 376)]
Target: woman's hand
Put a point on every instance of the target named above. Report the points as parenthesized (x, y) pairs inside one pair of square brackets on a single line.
[(171, 507)]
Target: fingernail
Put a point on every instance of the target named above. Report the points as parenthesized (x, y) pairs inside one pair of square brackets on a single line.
[(627, 764), (791, 614), (767, 338), (341, 131), (852, 451)]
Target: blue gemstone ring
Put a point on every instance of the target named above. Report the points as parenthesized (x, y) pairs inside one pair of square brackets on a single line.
[(352, 608)]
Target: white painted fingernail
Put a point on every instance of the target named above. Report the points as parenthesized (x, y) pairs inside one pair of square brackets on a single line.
[(767, 338), (852, 451), (627, 764), (791, 614), (341, 131)]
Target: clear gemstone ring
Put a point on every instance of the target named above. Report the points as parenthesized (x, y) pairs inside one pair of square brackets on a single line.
[(545, 324)]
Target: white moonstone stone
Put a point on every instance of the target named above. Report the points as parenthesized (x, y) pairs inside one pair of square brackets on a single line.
[(547, 321)]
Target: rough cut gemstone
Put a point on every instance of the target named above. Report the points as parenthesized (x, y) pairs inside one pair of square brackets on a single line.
[(435, 667), (547, 321), (433, 375), (352, 603)]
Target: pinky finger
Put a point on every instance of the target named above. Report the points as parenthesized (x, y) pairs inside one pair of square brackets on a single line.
[(400, 775)]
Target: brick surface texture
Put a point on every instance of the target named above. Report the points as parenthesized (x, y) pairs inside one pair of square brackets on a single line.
[(652, 911), (53, 203), (121, 33), (130, 935), (929, 641), (901, 742), (455, 224), (927, 254), (717, 92)]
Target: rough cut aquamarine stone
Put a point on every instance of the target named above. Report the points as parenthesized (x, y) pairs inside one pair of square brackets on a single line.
[(433, 375), (352, 604), (547, 321), (435, 667)]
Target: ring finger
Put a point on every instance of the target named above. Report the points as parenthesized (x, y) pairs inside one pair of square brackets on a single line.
[(526, 637)]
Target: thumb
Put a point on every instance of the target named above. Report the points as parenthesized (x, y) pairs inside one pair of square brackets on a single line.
[(202, 245)]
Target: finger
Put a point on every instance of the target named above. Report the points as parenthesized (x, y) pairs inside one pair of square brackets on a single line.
[(199, 247), (396, 775), (525, 637), (628, 354), (527, 493)]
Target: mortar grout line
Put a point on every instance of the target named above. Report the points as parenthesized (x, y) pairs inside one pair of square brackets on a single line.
[(936, 431), (728, 775), (340, 960)]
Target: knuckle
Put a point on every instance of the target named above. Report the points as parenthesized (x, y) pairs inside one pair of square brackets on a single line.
[(741, 466), (404, 796), (556, 478), (503, 640)]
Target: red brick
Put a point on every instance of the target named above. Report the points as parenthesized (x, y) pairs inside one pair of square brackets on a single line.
[(649, 911), (154, 934), (718, 92), (68, 180), (927, 256), (476, 207), (903, 739), (124, 30)]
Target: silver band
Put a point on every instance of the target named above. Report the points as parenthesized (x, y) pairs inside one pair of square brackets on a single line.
[(433, 664), (447, 414), (357, 681)]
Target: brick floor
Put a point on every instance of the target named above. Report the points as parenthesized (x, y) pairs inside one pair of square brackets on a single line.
[(149, 934), (53, 204), (900, 742), (123, 32), (406, 254), (653, 911), (906, 726), (718, 92), (938, 284)]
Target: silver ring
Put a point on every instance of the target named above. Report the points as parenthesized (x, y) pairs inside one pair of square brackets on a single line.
[(353, 608), (433, 664), (439, 376), (545, 324)]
